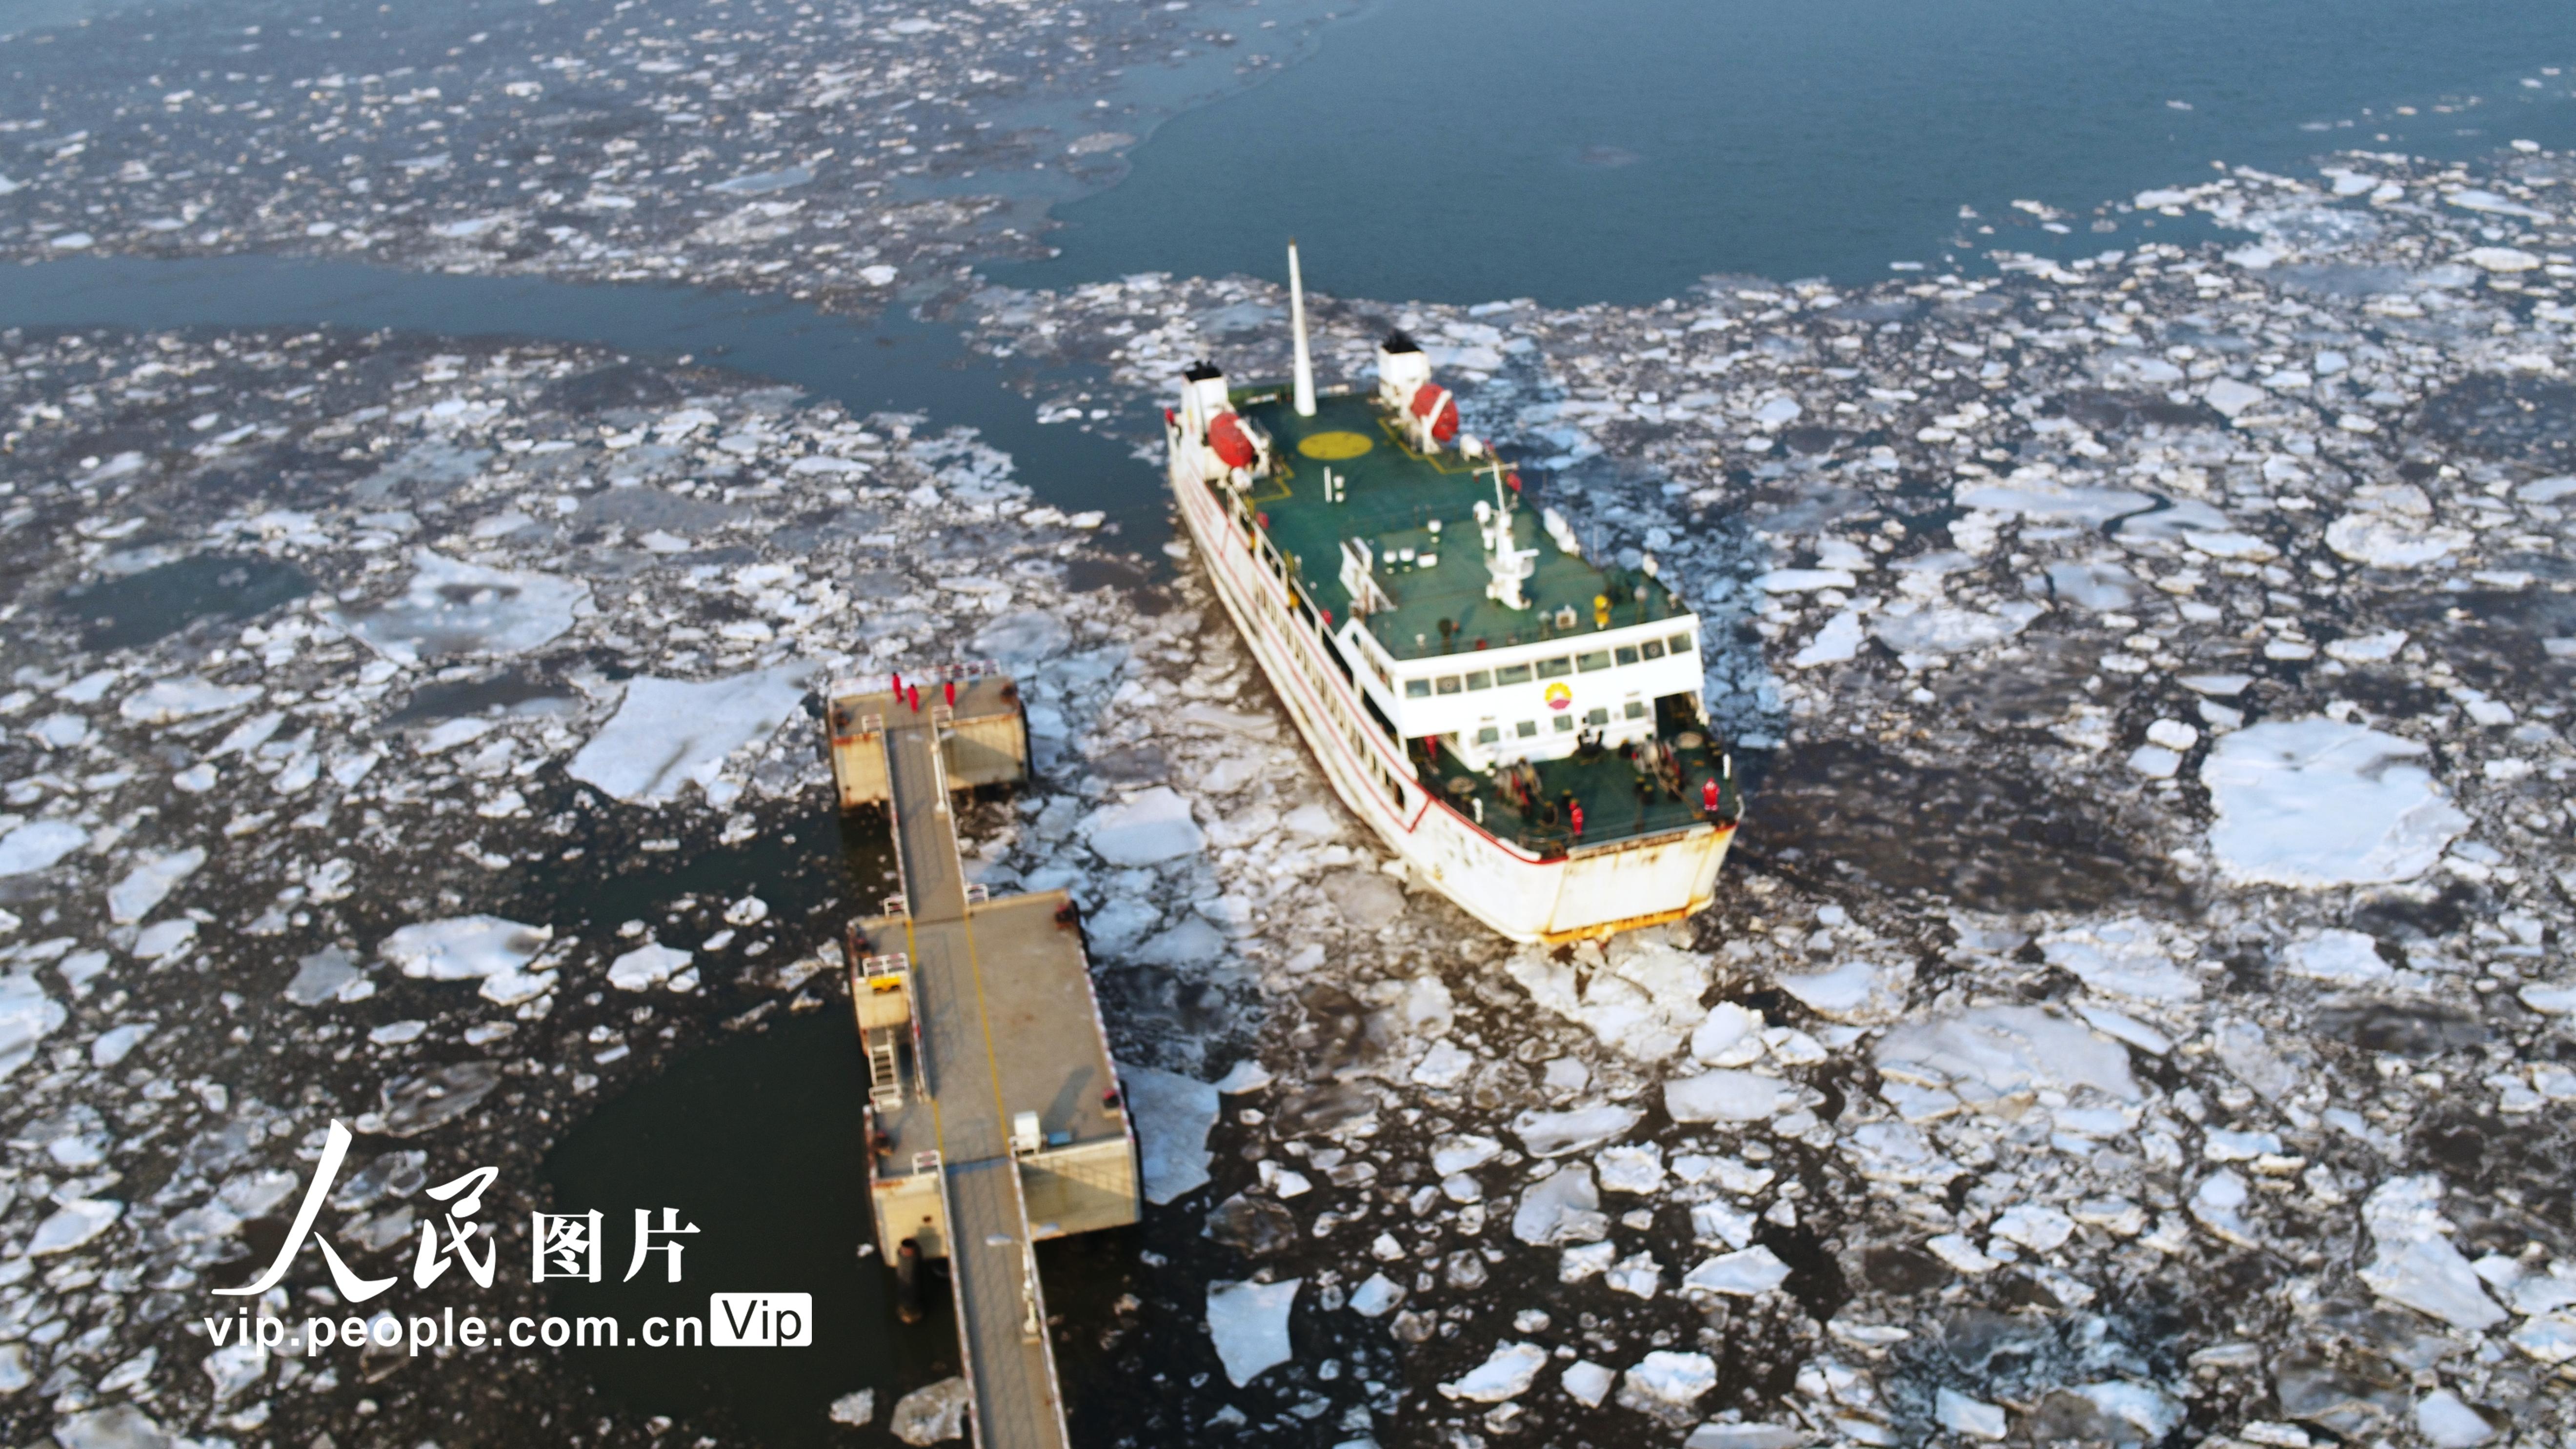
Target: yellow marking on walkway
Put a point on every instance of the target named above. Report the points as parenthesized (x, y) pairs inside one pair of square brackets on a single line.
[(984, 1021)]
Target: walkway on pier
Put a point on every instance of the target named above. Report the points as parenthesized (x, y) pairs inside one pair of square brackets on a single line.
[(1001, 1310)]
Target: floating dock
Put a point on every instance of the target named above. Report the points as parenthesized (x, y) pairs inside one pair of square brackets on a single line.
[(995, 1118)]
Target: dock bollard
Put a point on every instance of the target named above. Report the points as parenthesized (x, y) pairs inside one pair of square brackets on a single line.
[(907, 1281)]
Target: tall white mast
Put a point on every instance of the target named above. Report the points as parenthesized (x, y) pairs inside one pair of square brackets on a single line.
[(1305, 398)]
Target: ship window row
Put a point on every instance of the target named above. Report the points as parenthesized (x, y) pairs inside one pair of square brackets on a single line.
[(1528, 729), (1557, 668)]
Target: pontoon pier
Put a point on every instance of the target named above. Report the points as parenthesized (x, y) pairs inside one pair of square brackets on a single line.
[(994, 1114)]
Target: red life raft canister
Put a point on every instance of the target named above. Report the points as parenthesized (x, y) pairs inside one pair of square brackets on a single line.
[(1433, 401), (1233, 447)]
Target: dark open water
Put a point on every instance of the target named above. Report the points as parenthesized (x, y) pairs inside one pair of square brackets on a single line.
[(1618, 150)]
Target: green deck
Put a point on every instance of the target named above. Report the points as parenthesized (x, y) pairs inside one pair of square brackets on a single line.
[(1393, 495), (1604, 784)]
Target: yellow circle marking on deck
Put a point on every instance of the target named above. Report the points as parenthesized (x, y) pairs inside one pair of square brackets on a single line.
[(1334, 446)]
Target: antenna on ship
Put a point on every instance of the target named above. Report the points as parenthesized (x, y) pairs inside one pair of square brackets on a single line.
[(1305, 399)]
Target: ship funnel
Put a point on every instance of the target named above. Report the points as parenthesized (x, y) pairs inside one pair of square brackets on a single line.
[(1305, 399)]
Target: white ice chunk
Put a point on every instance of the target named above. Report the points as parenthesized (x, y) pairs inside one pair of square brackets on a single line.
[(1642, 1003), (74, 1224), (1638, 1274), (2448, 1423), (1800, 581), (27, 1016), (2041, 499), (2548, 1337), (2152, 1410), (1717, 1222), (2367, 648), (1974, 1418), (1560, 1208), (1631, 1169), (164, 939), (1837, 642), (2416, 1263), (1444, 1066), (1506, 1373), (1910, 626), (2317, 802), (1842, 993), (2218, 1204), (646, 967), (2035, 1226), (2232, 397), (1717, 1434), (1724, 1095), (856, 1409), (2125, 957), (2013, 1049), (2120, 1026), (1249, 1322), (1554, 1134), (1462, 1152), (1677, 1379), (117, 1043), (2501, 259), (182, 697), (1144, 829), (670, 732), (1746, 1273), (932, 1413), (2092, 585), (1022, 639), (1721, 1039), (2345, 958), (464, 948), (38, 844), (150, 882), (1591, 1260), (1173, 1114), (450, 607), (1377, 1297), (1587, 1383), (1961, 1254), (2390, 541), (118, 1426)]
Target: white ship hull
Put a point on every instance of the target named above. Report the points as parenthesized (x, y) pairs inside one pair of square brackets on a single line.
[(1590, 891)]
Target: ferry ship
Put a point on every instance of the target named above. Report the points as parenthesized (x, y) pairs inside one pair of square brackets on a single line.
[(1520, 723)]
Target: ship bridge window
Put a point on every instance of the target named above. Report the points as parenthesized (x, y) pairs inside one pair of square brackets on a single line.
[(1565, 724), (1489, 735), (1417, 689), (1626, 654), (1448, 684), (1480, 680), (1597, 718), (1652, 648), (1555, 668), (1636, 710), (1526, 729), (1681, 644), (1597, 659), (1512, 674)]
